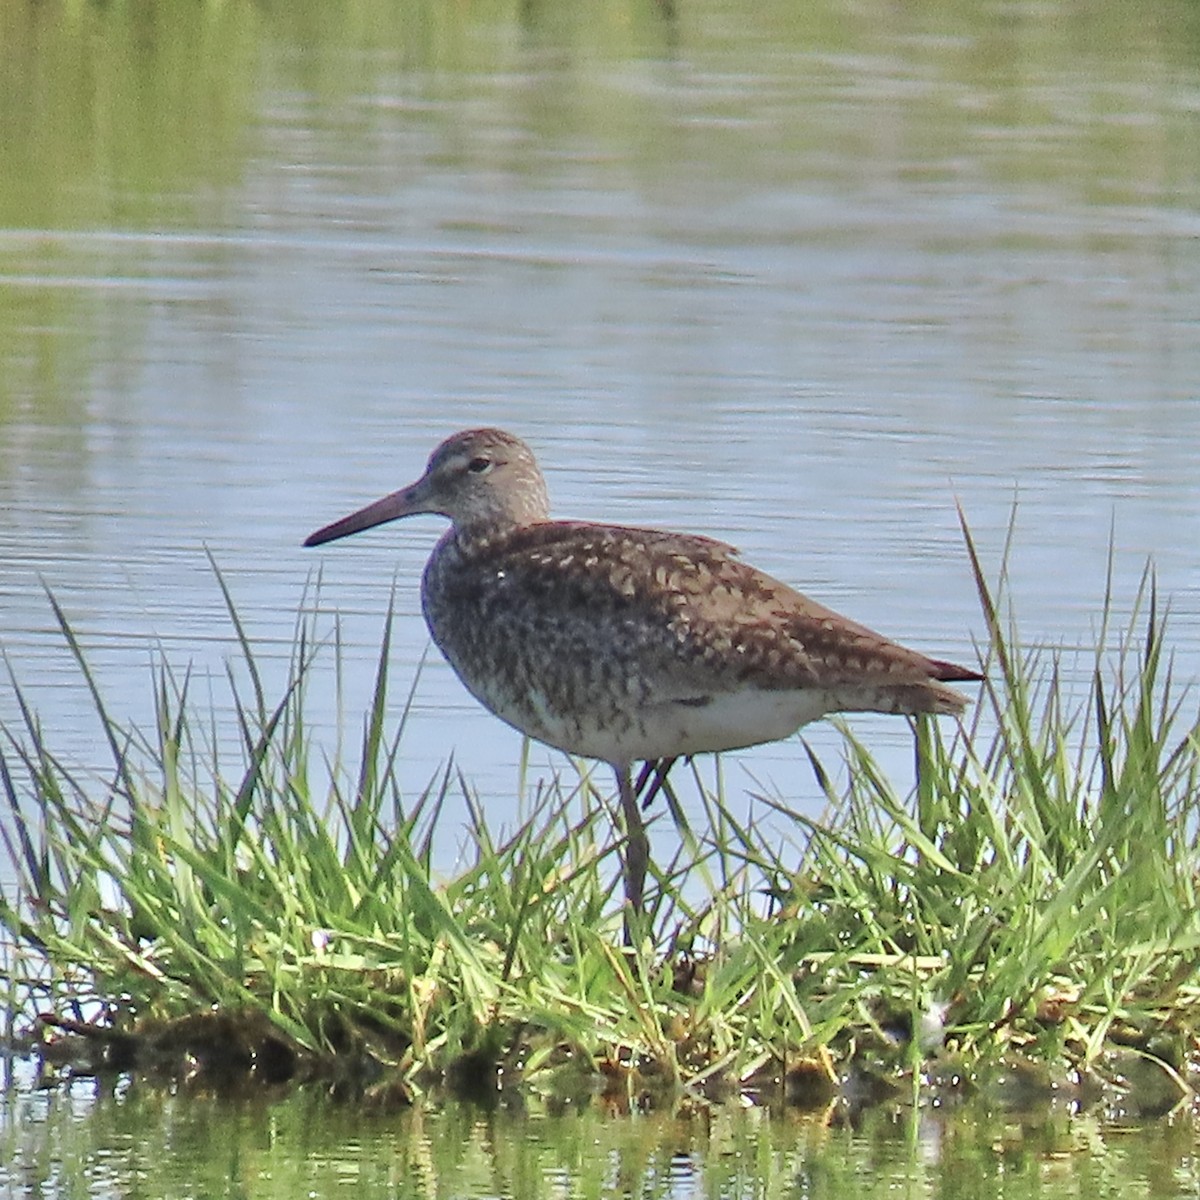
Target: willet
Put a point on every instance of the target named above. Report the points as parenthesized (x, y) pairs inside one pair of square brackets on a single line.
[(630, 645)]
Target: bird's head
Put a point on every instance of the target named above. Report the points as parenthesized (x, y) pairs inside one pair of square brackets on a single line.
[(485, 480)]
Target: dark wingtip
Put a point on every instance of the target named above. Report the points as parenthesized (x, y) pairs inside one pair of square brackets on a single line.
[(946, 672)]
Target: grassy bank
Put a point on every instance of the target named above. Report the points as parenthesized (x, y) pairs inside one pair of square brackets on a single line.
[(1032, 905)]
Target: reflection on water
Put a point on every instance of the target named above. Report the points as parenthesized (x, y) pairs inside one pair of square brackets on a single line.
[(75, 1141), (797, 277)]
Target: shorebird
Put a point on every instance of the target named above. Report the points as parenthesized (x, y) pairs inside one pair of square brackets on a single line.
[(630, 645)]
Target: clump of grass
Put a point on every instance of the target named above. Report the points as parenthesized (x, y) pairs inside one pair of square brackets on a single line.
[(206, 875), (1036, 894)]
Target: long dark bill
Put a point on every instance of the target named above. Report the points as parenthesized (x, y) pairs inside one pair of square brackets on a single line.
[(398, 504)]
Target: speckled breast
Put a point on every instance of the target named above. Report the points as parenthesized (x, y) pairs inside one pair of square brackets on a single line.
[(554, 654)]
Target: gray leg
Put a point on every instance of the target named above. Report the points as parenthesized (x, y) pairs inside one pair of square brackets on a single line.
[(652, 779), (637, 847)]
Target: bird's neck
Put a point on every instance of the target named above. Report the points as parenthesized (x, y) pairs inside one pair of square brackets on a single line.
[(478, 539)]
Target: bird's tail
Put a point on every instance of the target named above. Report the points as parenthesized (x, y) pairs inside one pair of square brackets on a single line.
[(911, 697)]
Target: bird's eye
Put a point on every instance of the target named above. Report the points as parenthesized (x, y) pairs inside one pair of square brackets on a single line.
[(477, 466)]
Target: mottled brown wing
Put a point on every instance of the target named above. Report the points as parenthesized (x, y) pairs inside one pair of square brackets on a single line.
[(704, 617)]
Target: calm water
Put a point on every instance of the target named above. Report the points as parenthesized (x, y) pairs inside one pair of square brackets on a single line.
[(796, 284), (134, 1140), (799, 278)]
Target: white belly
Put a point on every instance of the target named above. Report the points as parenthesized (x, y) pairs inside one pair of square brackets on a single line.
[(728, 721)]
